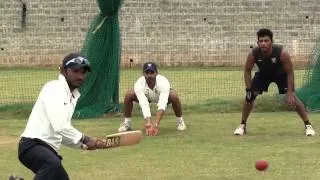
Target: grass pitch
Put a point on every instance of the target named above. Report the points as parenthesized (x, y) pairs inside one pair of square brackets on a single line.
[(207, 150), (194, 85)]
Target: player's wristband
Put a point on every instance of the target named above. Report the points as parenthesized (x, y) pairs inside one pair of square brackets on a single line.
[(250, 95)]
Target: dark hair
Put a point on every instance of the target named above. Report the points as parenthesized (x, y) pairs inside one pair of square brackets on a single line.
[(265, 32)]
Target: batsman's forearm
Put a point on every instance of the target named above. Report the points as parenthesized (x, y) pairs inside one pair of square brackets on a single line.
[(290, 79), (247, 78), (159, 115)]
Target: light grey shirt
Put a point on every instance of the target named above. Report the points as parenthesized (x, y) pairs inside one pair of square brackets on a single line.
[(159, 94)]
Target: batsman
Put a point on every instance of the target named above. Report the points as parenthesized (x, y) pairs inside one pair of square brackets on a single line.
[(49, 124), (151, 88)]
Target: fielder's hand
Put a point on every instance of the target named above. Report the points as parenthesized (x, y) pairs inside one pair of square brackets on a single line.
[(151, 129), (291, 99)]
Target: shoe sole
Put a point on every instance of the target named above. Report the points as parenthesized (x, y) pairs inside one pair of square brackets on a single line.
[(238, 134), (181, 129)]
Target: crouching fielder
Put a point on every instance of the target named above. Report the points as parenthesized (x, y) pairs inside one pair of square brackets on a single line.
[(151, 88)]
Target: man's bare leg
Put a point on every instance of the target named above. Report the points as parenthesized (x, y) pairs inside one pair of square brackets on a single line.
[(301, 110), (129, 98), (246, 110), (177, 108)]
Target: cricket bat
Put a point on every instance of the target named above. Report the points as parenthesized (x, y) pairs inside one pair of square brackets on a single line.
[(120, 139)]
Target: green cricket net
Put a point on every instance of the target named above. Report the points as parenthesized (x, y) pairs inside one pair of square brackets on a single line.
[(100, 92), (309, 92)]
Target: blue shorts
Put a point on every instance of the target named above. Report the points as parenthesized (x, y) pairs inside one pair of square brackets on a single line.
[(260, 82)]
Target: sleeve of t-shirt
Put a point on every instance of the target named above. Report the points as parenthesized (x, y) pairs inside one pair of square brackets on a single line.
[(70, 144), (139, 88)]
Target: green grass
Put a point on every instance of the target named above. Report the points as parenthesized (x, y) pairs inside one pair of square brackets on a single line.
[(266, 103), (207, 150), (212, 102), (194, 85), (200, 89)]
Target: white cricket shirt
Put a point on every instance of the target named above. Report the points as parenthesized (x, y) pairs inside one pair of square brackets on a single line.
[(159, 94), (50, 119)]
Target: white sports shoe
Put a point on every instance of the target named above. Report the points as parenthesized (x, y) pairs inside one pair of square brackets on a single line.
[(125, 126), (241, 130), (310, 131), (181, 125)]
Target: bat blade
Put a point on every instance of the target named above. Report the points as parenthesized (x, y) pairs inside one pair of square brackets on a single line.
[(123, 139), (119, 139)]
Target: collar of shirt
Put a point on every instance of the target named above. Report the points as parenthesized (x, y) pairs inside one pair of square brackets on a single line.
[(75, 93)]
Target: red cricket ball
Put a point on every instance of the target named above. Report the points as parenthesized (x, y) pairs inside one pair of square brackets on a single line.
[(261, 165)]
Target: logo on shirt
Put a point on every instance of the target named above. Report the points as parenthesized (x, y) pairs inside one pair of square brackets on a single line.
[(274, 60), (259, 60)]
